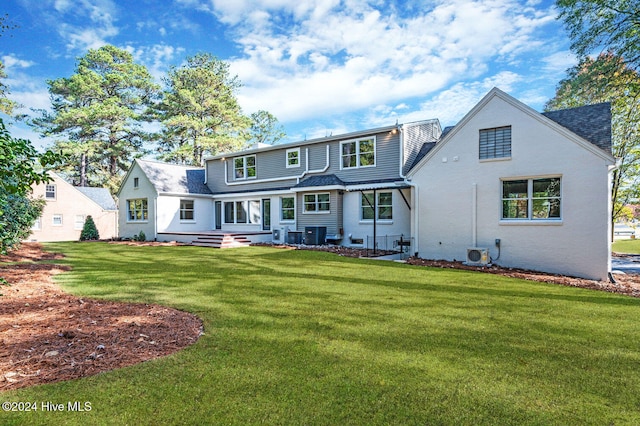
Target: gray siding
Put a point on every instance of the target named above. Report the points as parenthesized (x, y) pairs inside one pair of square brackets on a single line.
[(332, 220)]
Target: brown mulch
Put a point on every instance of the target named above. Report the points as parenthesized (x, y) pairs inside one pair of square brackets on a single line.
[(47, 335)]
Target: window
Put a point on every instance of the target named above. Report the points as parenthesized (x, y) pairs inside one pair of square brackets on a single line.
[(293, 157), (531, 199), (50, 192), (79, 222), (316, 203), (495, 143), (136, 182), (358, 153), (37, 225), (242, 212), (288, 208), (57, 220), (137, 210), (186, 210), (384, 205), (244, 167)]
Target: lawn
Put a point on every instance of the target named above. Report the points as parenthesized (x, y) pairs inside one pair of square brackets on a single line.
[(301, 337), (626, 246)]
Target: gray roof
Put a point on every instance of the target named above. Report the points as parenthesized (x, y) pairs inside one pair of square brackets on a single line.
[(425, 148), (591, 122), (174, 178), (100, 196), (321, 180)]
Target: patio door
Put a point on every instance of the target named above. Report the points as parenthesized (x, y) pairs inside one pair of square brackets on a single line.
[(218, 214), (266, 214)]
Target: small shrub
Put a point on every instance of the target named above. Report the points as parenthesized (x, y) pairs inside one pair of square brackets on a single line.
[(89, 230), (140, 237)]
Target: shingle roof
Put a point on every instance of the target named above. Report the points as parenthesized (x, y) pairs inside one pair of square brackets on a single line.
[(174, 178), (100, 196), (424, 150), (321, 180), (591, 122)]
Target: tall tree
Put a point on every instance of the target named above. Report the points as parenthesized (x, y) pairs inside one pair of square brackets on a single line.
[(609, 79), (265, 128), (200, 112), (98, 113), (7, 106), (606, 25)]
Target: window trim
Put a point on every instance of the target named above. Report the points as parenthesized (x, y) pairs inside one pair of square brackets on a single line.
[(357, 153), (53, 219), (495, 155), (288, 159), (47, 191), (75, 223), (378, 205), (245, 168), (184, 210), (316, 203), (144, 211), (239, 206), (293, 209), (530, 219), (136, 182)]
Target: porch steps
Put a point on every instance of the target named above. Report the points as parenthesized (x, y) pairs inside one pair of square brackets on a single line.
[(221, 241)]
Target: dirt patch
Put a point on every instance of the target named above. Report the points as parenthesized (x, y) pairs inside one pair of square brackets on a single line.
[(48, 336)]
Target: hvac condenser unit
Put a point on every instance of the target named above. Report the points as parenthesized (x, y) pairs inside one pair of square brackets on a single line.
[(477, 256)]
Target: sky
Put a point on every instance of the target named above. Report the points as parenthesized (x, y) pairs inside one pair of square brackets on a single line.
[(322, 67)]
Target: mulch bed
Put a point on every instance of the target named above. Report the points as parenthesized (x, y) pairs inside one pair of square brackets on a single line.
[(47, 335)]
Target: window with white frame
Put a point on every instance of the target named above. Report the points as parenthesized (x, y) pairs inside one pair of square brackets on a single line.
[(287, 209), (531, 199), (187, 210), (384, 206), (37, 225), (293, 157), (244, 167), (50, 192), (317, 203), (57, 220), (358, 153), (495, 143), (79, 222), (242, 212), (137, 210)]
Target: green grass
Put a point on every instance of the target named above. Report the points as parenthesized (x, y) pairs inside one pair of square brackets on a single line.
[(301, 337), (626, 246)]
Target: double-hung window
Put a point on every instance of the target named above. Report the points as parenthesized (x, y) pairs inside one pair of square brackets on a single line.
[(244, 167), (317, 203), (384, 206), (293, 158), (358, 153), (495, 143), (287, 209), (187, 210), (531, 199), (50, 192), (137, 210)]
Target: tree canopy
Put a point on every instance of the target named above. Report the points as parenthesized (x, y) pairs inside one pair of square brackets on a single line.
[(200, 112), (97, 115), (265, 128), (608, 79), (605, 25)]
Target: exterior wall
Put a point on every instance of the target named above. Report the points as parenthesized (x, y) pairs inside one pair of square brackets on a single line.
[(69, 203), (128, 191), (360, 229), (168, 217), (448, 215), (332, 220)]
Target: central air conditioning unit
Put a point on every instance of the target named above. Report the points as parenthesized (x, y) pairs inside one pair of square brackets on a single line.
[(477, 256)]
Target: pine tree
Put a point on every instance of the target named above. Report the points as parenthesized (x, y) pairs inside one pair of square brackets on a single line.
[(89, 230)]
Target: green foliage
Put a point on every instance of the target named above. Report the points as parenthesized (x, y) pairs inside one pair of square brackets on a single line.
[(608, 79), (199, 111), (89, 230), (300, 337), (20, 167), (140, 237), (97, 116), (597, 25), (265, 128)]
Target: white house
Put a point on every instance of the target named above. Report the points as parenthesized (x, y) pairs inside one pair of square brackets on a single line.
[(519, 188), (523, 185)]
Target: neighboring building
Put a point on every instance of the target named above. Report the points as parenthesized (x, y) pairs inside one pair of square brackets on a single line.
[(537, 182), (68, 206)]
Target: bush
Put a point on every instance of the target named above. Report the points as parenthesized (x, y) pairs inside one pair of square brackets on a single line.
[(140, 237), (89, 230)]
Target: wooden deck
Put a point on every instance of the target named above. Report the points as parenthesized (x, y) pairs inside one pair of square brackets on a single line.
[(217, 239)]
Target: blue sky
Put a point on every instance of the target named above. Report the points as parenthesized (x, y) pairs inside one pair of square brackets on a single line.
[(320, 66)]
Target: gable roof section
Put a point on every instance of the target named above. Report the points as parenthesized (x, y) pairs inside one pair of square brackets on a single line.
[(174, 178), (321, 180), (100, 196), (592, 122), (568, 117)]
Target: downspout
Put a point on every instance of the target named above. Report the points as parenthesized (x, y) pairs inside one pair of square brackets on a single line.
[(474, 214), (414, 196)]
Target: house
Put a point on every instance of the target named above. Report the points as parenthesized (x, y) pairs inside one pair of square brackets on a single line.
[(518, 187), (67, 207), (531, 189)]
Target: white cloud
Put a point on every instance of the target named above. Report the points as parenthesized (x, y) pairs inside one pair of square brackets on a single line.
[(12, 62)]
